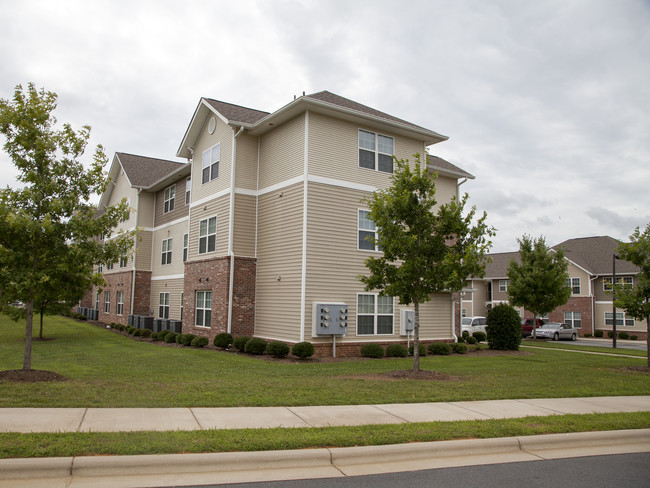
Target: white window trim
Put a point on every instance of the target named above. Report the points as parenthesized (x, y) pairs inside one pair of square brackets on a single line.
[(166, 254), (125, 260), (607, 281), (216, 230), (107, 302), (504, 288), (119, 309), (573, 318), (359, 229), (163, 305), (376, 151), (211, 164), (186, 246), (571, 284), (375, 315), (188, 189), (625, 319), (196, 308), (169, 201)]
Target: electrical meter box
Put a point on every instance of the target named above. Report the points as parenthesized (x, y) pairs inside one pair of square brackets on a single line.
[(406, 321), (329, 319)]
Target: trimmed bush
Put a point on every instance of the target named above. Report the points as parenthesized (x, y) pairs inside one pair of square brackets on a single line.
[(372, 351), (277, 349), (396, 351), (162, 334), (223, 340), (598, 333), (587, 335), (465, 334), (504, 328), (422, 348), (199, 342), (145, 332), (154, 336), (170, 337), (303, 350), (240, 343), (462, 339), (479, 336), (131, 331), (459, 347), (623, 335), (178, 338), (439, 348), (634, 337), (472, 340), (186, 339), (255, 346), (610, 334)]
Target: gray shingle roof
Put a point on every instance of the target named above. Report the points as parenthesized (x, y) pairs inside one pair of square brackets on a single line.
[(595, 255), (143, 171), (236, 113), (437, 163), (499, 265)]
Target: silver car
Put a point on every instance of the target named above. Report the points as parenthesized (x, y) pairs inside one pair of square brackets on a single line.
[(556, 331)]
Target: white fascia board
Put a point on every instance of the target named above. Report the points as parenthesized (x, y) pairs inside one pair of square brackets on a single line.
[(168, 277), (203, 109)]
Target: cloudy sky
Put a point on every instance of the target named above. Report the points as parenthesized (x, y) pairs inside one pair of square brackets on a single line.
[(547, 103)]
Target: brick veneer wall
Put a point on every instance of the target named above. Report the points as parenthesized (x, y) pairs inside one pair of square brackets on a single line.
[(116, 282), (575, 304), (142, 301)]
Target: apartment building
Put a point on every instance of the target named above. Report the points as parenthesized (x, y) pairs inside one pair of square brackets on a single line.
[(265, 223)]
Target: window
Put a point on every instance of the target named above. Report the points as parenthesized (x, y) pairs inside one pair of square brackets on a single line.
[(163, 306), (97, 302), (503, 285), (107, 302), (375, 151), (109, 266), (100, 268), (167, 251), (463, 312), (203, 308), (186, 241), (367, 230), (123, 261), (625, 280), (210, 163), (188, 187), (170, 197), (621, 319), (574, 284), (574, 319), (120, 303), (182, 294), (374, 314), (208, 235)]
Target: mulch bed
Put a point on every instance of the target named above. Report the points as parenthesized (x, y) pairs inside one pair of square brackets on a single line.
[(30, 376)]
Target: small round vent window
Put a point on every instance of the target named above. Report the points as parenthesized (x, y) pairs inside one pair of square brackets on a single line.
[(212, 125)]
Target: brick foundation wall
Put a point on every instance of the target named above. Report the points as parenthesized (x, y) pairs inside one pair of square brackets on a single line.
[(243, 305), (142, 301)]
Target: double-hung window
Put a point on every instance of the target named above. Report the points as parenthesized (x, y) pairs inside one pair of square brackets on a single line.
[(107, 302), (188, 188), (182, 295), (374, 314), (376, 151), (625, 280), (621, 319), (120, 303), (109, 266), (573, 318), (167, 251), (186, 242), (203, 308), (210, 163), (503, 285), (367, 231), (208, 235), (123, 261), (97, 302), (170, 197), (574, 284), (163, 306)]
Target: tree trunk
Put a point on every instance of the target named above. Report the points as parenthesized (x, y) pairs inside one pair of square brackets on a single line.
[(29, 319), (416, 337)]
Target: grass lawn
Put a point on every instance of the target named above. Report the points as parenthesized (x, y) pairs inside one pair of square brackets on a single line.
[(106, 369)]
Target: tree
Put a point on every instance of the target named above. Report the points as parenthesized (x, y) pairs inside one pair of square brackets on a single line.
[(423, 252), (539, 283), (636, 300), (47, 226)]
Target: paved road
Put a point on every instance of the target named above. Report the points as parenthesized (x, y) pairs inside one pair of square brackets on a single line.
[(636, 345), (620, 471)]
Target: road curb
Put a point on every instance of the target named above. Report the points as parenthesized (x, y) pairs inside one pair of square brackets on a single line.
[(174, 469)]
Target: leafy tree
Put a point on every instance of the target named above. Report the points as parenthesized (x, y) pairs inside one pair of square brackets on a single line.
[(636, 300), (539, 283), (47, 226), (424, 252)]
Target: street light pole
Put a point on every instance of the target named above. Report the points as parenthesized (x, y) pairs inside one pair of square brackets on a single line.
[(614, 258)]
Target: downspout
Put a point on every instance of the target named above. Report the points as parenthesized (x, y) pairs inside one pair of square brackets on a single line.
[(593, 305), (137, 215), (231, 225), (458, 187), (453, 301)]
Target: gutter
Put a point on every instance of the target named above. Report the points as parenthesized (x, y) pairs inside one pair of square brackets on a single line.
[(231, 225)]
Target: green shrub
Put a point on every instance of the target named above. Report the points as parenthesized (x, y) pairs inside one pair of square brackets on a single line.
[(199, 342), (303, 349), (479, 336), (598, 333), (154, 336), (459, 347), (255, 346), (422, 348), (277, 349), (131, 331), (223, 340), (462, 339), (162, 334), (472, 340), (623, 335), (145, 332), (79, 316), (240, 343), (504, 328), (634, 337), (610, 334), (439, 348), (396, 351), (178, 338), (372, 351), (465, 334), (186, 339), (587, 335), (170, 337)]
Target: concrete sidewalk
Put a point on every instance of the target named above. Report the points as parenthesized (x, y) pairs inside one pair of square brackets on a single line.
[(27, 420)]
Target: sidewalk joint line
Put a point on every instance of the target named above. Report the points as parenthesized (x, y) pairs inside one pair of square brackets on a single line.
[(195, 419), (304, 420), (83, 417), (378, 407)]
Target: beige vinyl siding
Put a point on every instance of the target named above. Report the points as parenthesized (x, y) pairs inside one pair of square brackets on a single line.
[(146, 209), (334, 151), (246, 170), (279, 264), (244, 226), (122, 189), (175, 232), (180, 209), (143, 250), (575, 272), (498, 296), (445, 190), (220, 208), (223, 134), (600, 294), (174, 288), (333, 264), (599, 320), (282, 154)]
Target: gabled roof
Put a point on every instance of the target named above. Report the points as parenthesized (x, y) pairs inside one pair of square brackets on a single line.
[(594, 254), (143, 171), (446, 168), (498, 268), (236, 114)]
